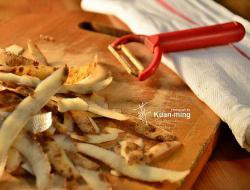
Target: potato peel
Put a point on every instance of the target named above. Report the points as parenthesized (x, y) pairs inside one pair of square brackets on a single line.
[(14, 160), (60, 127), (38, 71), (69, 146), (38, 161), (59, 160), (57, 182), (94, 77), (8, 98), (135, 140), (21, 80), (80, 160), (78, 137), (3, 162), (115, 173), (67, 104), (150, 131), (93, 123), (98, 73), (94, 108), (65, 142), (15, 49), (42, 71), (99, 100), (113, 130), (161, 150), (77, 74), (101, 138), (68, 121), (72, 155), (10, 59), (94, 180), (136, 171), (40, 122), (132, 152), (82, 121), (26, 166), (36, 53), (31, 77), (27, 108), (86, 88)]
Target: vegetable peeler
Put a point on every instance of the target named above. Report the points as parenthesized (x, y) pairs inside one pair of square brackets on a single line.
[(202, 37)]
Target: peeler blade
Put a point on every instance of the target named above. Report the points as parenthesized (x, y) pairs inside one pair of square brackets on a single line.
[(133, 66)]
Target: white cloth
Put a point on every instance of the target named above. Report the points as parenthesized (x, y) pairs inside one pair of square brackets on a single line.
[(219, 76)]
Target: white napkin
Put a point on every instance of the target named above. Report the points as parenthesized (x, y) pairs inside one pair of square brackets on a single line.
[(219, 76)]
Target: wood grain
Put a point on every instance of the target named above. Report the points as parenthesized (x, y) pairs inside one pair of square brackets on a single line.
[(228, 167)]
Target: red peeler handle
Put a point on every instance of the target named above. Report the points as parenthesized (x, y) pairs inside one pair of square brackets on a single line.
[(202, 37), (219, 34)]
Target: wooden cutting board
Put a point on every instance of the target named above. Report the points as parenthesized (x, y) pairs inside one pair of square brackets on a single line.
[(163, 92)]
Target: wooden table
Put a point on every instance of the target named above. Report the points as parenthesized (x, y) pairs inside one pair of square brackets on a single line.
[(228, 167)]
